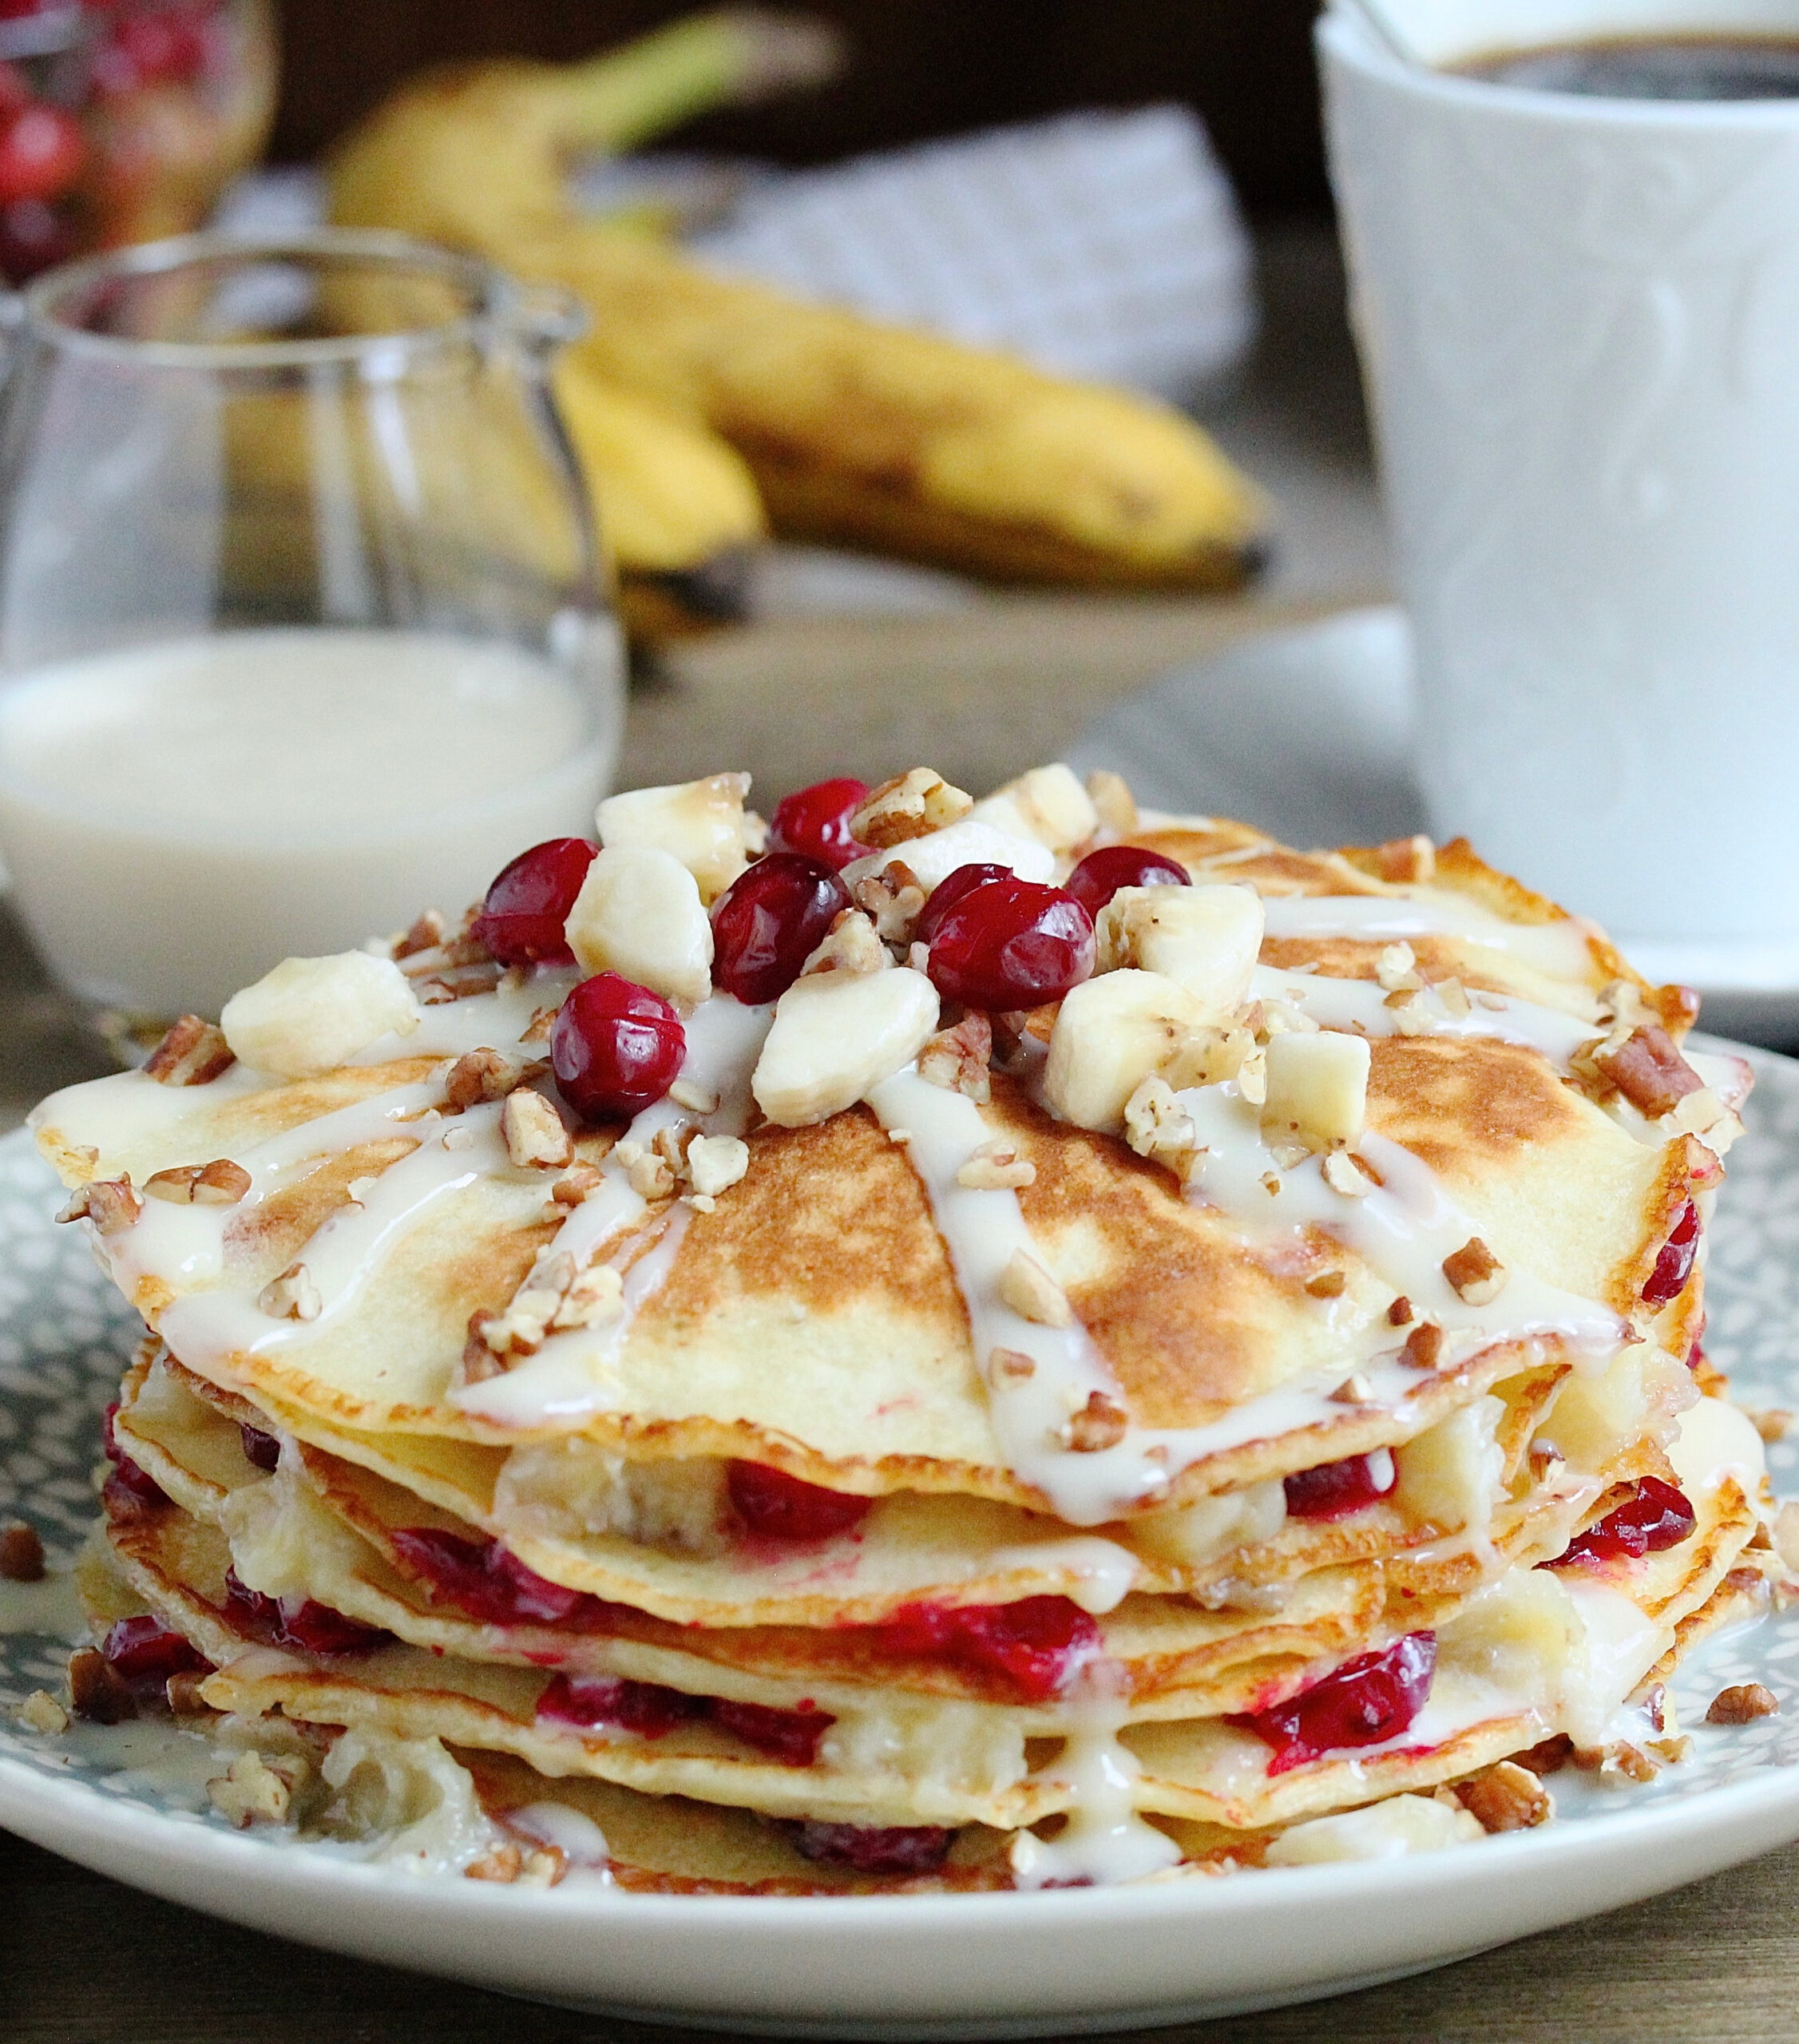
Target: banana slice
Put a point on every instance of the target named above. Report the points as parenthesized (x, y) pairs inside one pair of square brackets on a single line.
[(836, 1035), (1111, 1033)]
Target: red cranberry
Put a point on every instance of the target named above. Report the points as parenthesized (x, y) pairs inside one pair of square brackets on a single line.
[(816, 822), (1335, 1489), (775, 1506), (948, 891), (263, 1450), (1373, 1697), (616, 1047), (1658, 1517), (148, 49), (791, 1737), (145, 1653), (522, 921), (863, 1849), (1036, 1643), (1100, 874), (127, 1483), (40, 151), (645, 1708), (770, 921), (1675, 1265), (1011, 944), (484, 1581), (299, 1621)]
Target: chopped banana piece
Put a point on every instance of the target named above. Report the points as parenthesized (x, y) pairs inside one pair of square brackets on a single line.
[(1317, 1089), (702, 823), (1205, 939), (311, 1015), (1111, 1033), (836, 1034), (1047, 803), (640, 913)]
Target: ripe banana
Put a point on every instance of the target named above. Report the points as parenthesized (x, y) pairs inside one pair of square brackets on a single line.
[(857, 433)]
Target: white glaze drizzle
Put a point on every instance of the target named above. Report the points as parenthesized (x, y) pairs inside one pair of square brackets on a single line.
[(574, 1374), (1360, 1005), (1104, 1841), (1559, 949)]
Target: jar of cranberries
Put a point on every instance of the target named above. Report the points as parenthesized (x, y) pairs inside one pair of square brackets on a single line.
[(122, 121)]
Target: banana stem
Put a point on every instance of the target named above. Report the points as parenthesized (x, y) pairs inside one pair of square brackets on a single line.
[(730, 56)]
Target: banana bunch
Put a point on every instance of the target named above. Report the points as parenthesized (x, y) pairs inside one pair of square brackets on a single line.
[(854, 433)]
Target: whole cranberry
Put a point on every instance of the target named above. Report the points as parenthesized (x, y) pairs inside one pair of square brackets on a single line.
[(770, 921), (1011, 944), (1101, 874), (948, 891), (1335, 1489), (41, 151), (616, 1047), (775, 1506), (647, 1708), (1675, 1265), (144, 1652), (1657, 1518), (1369, 1699), (815, 823), (520, 921)]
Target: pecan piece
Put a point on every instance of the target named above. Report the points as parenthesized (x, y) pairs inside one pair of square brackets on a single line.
[(96, 1693), (478, 1075), (1100, 1423), (1424, 1346), (1033, 1293), (1476, 1275), (220, 1183), (192, 1053), (1741, 1704), (111, 1204), (534, 1133), (958, 1060), (1506, 1797), (909, 806), (21, 1553), (1648, 1069)]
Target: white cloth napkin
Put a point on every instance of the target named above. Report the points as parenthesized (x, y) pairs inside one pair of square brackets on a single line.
[(1102, 245)]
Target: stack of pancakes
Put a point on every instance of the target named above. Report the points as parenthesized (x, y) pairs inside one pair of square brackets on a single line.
[(805, 1553)]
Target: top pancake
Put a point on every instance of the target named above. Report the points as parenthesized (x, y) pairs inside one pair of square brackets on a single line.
[(812, 1318)]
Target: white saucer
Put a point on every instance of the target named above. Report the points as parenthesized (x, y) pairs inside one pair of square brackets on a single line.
[(1307, 733), (956, 1966)]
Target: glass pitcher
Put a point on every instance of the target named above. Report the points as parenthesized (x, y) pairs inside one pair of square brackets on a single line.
[(302, 627)]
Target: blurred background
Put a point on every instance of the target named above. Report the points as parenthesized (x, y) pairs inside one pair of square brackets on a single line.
[(920, 67)]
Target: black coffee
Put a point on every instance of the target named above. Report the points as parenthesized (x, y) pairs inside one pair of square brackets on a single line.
[(1659, 67)]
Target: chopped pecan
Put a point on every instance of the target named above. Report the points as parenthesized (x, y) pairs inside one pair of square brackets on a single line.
[(220, 1183), (192, 1053), (21, 1553), (1506, 1797), (111, 1204), (1354, 1390), (891, 899), (909, 806), (1424, 1346), (849, 946), (958, 1060), (1100, 1423), (425, 934), (1033, 1293), (1741, 1704), (1327, 1285), (479, 1360), (1648, 1069), (996, 1166), (1010, 1366), (292, 1296), (535, 1135), (1476, 1275), (40, 1712), (478, 1075), (95, 1692), (539, 1028)]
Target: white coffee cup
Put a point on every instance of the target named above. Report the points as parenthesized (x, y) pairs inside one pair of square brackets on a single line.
[(1578, 320)]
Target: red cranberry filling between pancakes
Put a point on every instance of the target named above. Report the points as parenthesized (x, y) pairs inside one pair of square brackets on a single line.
[(871, 1849), (486, 1581), (1368, 1700), (652, 1711), (774, 1506), (1657, 1518), (1036, 1643), (1675, 1265), (144, 1653), (314, 1628), (1333, 1489)]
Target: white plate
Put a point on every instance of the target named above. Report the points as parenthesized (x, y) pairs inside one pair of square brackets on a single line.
[(1308, 731), (952, 1966)]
